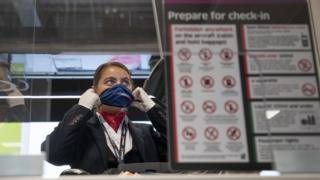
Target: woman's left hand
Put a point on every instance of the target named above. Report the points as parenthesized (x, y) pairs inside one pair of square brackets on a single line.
[(142, 100)]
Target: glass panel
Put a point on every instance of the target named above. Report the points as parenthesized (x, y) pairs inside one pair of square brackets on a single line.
[(49, 50), (77, 25), (247, 70), (243, 82)]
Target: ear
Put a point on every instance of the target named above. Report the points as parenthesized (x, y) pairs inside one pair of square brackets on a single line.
[(133, 86)]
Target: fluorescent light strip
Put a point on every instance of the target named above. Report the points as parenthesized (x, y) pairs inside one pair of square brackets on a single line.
[(39, 97)]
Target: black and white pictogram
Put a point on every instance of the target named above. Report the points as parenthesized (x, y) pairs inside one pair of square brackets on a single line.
[(207, 82), (185, 82), (209, 106), (205, 54), (184, 54), (226, 54), (187, 107), (233, 133), (211, 133), (228, 81), (308, 89), (304, 65), (189, 133), (231, 107)]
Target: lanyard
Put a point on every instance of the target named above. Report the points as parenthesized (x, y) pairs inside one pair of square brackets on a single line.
[(118, 152)]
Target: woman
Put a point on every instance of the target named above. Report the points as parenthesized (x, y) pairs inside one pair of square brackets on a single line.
[(96, 135)]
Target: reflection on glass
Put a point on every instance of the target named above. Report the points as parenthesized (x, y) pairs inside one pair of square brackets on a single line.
[(10, 138), (52, 49), (272, 113), (77, 63), (12, 104)]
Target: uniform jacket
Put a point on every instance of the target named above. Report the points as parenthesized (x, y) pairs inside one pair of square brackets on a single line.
[(79, 140)]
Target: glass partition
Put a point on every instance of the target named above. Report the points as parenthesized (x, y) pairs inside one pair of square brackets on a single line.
[(241, 79), (49, 50), (243, 84)]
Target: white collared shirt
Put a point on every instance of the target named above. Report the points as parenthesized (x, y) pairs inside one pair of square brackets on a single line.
[(116, 136)]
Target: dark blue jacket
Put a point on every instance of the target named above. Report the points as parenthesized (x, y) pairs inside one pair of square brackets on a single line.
[(79, 140)]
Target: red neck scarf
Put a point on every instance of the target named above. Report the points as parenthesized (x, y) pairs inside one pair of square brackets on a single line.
[(113, 119)]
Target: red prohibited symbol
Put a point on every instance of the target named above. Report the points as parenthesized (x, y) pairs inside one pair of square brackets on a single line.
[(304, 65), (207, 82), (184, 54), (231, 107), (187, 107), (186, 81), (226, 54), (189, 133), (228, 81), (209, 106), (308, 89), (233, 133), (211, 133), (205, 54)]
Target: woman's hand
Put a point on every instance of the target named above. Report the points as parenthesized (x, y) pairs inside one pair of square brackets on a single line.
[(89, 99), (142, 100)]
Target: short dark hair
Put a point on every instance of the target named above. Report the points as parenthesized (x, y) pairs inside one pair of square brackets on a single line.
[(97, 74)]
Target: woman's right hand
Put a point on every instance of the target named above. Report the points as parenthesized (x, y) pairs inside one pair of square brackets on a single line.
[(89, 99)]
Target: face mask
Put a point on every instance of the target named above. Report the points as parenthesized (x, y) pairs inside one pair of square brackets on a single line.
[(118, 96)]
